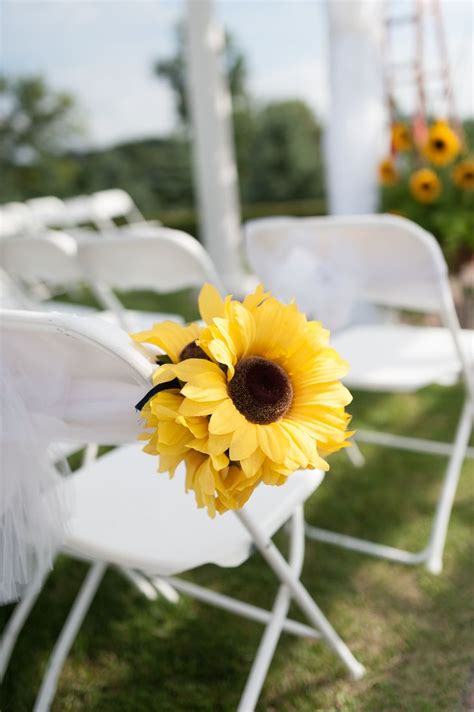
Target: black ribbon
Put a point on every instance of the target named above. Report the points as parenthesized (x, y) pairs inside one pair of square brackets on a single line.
[(157, 389)]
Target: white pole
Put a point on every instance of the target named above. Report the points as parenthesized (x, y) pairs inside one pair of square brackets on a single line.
[(214, 161), (356, 120)]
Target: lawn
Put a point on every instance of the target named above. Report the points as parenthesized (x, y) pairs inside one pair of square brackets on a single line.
[(413, 631)]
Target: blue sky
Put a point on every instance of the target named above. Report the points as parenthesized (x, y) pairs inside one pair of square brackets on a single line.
[(103, 51)]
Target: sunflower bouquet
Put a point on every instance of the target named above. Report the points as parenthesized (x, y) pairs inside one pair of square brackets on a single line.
[(428, 176), (248, 396), (415, 152)]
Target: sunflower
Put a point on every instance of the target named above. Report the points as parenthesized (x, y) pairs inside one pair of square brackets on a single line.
[(463, 174), (425, 186), (442, 145), (254, 396), (401, 137), (388, 174), (271, 387)]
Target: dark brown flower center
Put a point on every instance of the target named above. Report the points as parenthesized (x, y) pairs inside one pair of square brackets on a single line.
[(439, 144), (192, 350), (426, 186), (261, 390)]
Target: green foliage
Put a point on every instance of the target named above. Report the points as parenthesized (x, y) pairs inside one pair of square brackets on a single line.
[(286, 155), (36, 124), (156, 172)]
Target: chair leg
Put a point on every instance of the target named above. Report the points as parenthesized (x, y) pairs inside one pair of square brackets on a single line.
[(434, 562), (68, 635), (17, 621), (273, 630), (354, 455), (300, 595), (140, 582)]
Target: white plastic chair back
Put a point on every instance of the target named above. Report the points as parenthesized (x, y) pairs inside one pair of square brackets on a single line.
[(85, 374), (15, 219), (108, 205), (48, 211), (163, 261), (79, 210), (50, 258), (382, 259)]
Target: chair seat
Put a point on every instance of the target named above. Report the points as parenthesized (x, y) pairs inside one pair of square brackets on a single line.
[(399, 357), (128, 514)]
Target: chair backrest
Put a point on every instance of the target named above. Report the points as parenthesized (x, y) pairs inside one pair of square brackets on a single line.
[(48, 211), (386, 260), (83, 373), (50, 258), (163, 260), (15, 219), (108, 205), (79, 210)]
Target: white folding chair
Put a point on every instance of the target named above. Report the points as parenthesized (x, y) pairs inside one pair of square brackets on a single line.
[(162, 260), (48, 211), (110, 205), (388, 261), (42, 266), (79, 210), (128, 516), (15, 219)]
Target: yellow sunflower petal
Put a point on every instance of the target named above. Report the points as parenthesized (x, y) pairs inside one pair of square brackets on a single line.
[(252, 464), (215, 392), (225, 419), (211, 303), (273, 441), (244, 442), (194, 409), (169, 336)]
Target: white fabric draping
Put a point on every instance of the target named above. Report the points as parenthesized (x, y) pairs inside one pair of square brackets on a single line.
[(354, 137), (50, 393)]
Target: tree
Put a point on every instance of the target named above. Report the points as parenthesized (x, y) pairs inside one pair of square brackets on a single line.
[(36, 124), (173, 70), (34, 120), (286, 154)]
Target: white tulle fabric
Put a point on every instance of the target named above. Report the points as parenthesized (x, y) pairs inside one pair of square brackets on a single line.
[(355, 137), (326, 284), (34, 504), (53, 392)]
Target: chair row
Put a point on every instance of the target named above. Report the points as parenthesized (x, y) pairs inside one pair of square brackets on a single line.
[(101, 210), (158, 259), (376, 259)]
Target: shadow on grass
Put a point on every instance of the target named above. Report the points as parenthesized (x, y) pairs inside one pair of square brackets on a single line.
[(402, 623)]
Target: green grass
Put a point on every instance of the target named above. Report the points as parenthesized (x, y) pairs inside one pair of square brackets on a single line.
[(412, 631)]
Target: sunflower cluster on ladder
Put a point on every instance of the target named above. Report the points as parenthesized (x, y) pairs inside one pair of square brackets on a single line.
[(429, 155)]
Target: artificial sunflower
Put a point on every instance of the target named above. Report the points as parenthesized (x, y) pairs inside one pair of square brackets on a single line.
[(425, 186), (442, 145), (401, 137), (463, 174), (388, 174), (254, 396)]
